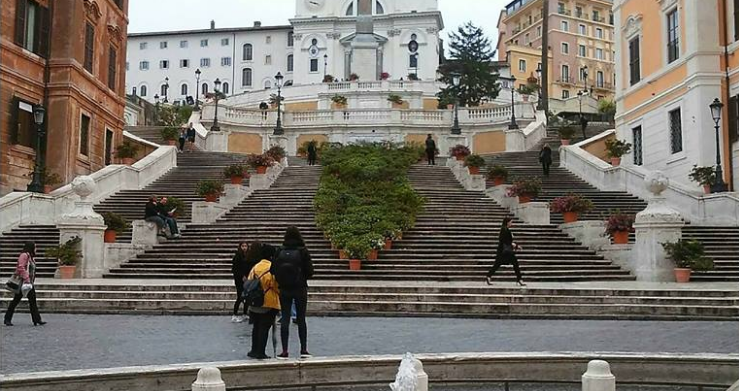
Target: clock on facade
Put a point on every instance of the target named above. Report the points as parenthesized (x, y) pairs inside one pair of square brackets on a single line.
[(315, 4)]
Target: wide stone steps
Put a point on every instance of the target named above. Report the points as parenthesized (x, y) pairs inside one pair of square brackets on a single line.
[(12, 242)]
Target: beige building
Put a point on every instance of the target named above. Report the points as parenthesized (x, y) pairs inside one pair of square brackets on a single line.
[(582, 53)]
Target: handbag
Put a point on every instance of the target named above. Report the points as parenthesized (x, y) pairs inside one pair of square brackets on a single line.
[(14, 284)]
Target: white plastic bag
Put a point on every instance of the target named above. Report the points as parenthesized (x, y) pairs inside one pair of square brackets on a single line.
[(25, 288)]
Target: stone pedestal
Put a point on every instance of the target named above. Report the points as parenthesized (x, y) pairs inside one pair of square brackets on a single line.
[(144, 233), (656, 224), (209, 379), (85, 223), (598, 377), (217, 141), (259, 181), (588, 232), (207, 212), (619, 254), (234, 194), (278, 140), (499, 194), (118, 253), (533, 213), (474, 182), (451, 140)]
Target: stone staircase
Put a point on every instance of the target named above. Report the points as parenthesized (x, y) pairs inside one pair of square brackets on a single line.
[(11, 245), (722, 245), (149, 133)]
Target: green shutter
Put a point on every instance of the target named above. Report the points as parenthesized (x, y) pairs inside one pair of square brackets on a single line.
[(44, 27), (20, 22), (13, 125)]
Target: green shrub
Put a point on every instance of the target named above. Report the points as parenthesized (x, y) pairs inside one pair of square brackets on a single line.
[(276, 152), (68, 254), (170, 133), (339, 100), (394, 98), (688, 254), (567, 132), (207, 187), (126, 150), (498, 171), (617, 148), (235, 170), (474, 161), (115, 222), (703, 175)]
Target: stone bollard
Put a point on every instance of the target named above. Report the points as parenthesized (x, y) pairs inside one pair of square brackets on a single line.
[(598, 377), (500, 195), (533, 213), (411, 376), (207, 212), (144, 233), (209, 379), (259, 182), (88, 225), (233, 195)]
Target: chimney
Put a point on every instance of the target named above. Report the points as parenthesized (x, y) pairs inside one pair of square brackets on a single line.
[(257, 23), (212, 24)]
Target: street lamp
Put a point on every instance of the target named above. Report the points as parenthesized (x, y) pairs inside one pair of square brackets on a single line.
[(719, 186), (514, 124), (278, 81), (197, 89), (585, 76), (216, 87), (583, 121), (456, 80), (539, 106), (325, 65), (37, 183), (166, 89)]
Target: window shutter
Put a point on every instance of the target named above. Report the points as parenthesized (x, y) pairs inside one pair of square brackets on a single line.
[(112, 68), (43, 32), (14, 120), (736, 20), (734, 119), (20, 21)]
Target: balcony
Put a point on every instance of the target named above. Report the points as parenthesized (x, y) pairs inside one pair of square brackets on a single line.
[(566, 80), (564, 11)]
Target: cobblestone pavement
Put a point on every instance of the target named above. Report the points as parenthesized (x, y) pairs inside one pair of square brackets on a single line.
[(102, 341)]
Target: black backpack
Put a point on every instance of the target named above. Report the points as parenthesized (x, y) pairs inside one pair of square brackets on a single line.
[(287, 268), (253, 293)]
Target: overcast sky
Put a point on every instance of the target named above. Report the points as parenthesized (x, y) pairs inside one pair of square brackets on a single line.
[(161, 15)]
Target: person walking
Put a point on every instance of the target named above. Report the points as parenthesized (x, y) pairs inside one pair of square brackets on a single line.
[(312, 153), (545, 158), (263, 318), (25, 271), (240, 269), (190, 137), (431, 150), (506, 253), (292, 268), (183, 138)]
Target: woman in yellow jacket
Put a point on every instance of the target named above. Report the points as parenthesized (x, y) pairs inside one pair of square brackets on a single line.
[(264, 317)]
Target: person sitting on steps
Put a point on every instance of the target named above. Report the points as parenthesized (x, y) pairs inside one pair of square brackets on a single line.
[(152, 215), (167, 214)]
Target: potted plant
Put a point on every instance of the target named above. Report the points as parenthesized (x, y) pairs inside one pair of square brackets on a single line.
[(688, 255), (353, 77), (276, 152), (525, 189), (50, 180), (390, 236), (127, 152), (566, 132), (356, 250), (527, 89), (498, 174), (473, 163), (705, 176), (115, 224), (329, 79), (384, 76), (618, 226), (571, 206), (210, 189), (303, 149), (617, 148), (237, 173), (412, 77), (459, 152), (260, 162), (339, 101), (170, 134), (396, 100), (175, 204), (68, 255)]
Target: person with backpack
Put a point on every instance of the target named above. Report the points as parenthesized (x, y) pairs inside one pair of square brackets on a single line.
[(292, 268), (263, 298)]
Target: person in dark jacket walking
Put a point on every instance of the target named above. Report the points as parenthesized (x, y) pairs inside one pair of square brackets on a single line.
[(190, 137), (312, 153), (183, 138), (506, 253), (431, 150), (545, 158), (25, 270), (292, 268), (240, 269)]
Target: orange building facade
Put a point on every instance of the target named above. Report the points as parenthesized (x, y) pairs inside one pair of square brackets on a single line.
[(67, 56), (674, 57)]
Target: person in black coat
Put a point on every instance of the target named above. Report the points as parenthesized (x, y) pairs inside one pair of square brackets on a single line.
[(506, 253), (240, 268), (431, 150), (545, 158), (152, 214), (312, 153)]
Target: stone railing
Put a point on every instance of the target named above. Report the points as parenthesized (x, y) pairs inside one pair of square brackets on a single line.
[(529, 137), (715, 209), (21, 208)]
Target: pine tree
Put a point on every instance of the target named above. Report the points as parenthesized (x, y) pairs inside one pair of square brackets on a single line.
[(472, 56)]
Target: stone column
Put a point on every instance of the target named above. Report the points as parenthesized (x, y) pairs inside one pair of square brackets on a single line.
[(209, 379), (656, 224), (85, 223)]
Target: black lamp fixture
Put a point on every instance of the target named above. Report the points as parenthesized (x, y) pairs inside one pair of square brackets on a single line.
[(457, 81), (166, 89), (513, 124), (583, 121), (216, 92), (279, 130), (197, 89), (325, 65), (585, 76), (540, 105), (37, 182), (719, 186)]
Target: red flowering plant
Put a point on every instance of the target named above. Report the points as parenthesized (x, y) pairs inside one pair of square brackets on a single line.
[(459, 150), (619, 222), (384, 76), (260, 161), (571, 203), (530, 187)]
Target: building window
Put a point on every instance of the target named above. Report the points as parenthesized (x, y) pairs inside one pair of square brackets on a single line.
[(203, 43), (538, 31), (143, 91), (736, 20), (133, 91), (144, 65), (112, 60), (89, 46), (522, 65), (673, 41), (565, 25), (566, 74), (246, 77), (204, 89), (268, 39), (634, 61), (183, 90), (183, 44), (599, 54), (290, 63), (379, 10), (314, 65), (268, 60), (224, 41), (32, 27), (583, 29), (108, 147), (163, 45), (267, 85), (184, 63), (582, 74), (599, 33), (350, 9), (578, 12), (526, 39), (596, 16), (565, 48), (205, 62), (84, 135), (225, 61), (143, 45), (226, 88), (600, 79), (676, 131), (582, 51), (565, 94), (24, 131), (638, 154), (290, 39), (248, 52), (164, 90), (164, 64), (127, 65)]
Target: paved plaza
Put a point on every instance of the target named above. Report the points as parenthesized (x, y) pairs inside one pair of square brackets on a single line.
[(103, 341)]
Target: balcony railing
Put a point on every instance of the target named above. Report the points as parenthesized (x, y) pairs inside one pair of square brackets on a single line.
[(565, 11)]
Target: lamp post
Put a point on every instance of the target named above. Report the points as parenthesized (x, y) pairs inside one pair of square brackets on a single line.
[(456, 80), (197, 89), (585, 76), (514, 124), (216, 87), (278, 128), (583, 121), (539, 105), (719, 186), (325, 65), (166, 89), (37, 183)]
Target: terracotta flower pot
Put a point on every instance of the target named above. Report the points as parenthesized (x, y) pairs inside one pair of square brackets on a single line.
[(615, 161), (48, 189), (565, 141), (449, 107), (355, 264), (621, 237), (459, 157), (128, 161), (474, 170), (343, 254), (237, 180), (262, 170), (67, 272), (171, 142), (682, 275), (570, 217), (525, 98), (388, 244), (707, 189), (372, 255), (498, 180), (211, 197), (109, 236), (524, 199)]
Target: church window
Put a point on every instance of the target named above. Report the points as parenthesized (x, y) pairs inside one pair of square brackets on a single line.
[(246, 77), (204, 89), (225, 88), (143, 91), (248, 50), (290, 39), (290, 63), (183, 90), (414, 60), (379, 9), (267, 85), (350, 9), (314, 65)]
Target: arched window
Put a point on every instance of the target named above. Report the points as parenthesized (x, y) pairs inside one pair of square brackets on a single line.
[(183, 90), (163, 90), (143, 91), (248, 52), (204, 89), (267, 85), (290, 63), (134, 91), (246, 76), (414, 60), (290, 39), (379, 9), (350, 9), (225, 88)]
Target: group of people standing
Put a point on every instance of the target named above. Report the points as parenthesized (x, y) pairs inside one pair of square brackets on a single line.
[(159, 212), (187, 138), (283, 274)]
